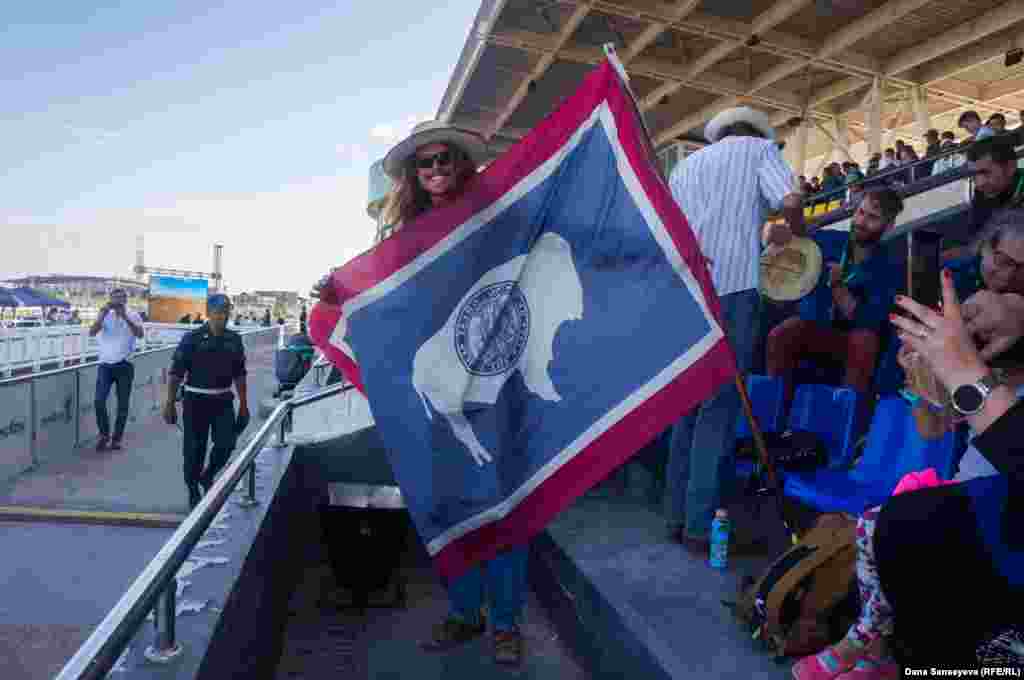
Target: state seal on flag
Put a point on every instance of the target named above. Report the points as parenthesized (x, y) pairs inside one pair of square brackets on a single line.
[(492, 329)]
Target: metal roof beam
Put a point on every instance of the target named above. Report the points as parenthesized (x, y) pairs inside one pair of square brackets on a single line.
[(885, 15), (657, 69), (956, 63), (656, 28), (1005, 88), (770, 41), (575, 19), (840, 40), (980, 28), (774, 15)]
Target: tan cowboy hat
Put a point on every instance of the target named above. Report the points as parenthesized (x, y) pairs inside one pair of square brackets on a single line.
[(792, 271), (740, 114), (434, 132)]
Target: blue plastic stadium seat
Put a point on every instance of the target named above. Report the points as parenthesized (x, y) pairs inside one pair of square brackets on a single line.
[(831, 413), (767, 394), (894, 448), (767, 397)]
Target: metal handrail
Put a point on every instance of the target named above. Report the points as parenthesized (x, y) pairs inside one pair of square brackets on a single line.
[(85, 364), (156, 586)]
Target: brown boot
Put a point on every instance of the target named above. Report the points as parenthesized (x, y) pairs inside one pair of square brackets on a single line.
[(451, 633), (508, 647)]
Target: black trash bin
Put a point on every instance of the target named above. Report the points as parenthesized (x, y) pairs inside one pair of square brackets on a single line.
[(366, 530), (292, 362)]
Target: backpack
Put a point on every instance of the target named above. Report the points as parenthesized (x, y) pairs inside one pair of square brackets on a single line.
[(807, 598)]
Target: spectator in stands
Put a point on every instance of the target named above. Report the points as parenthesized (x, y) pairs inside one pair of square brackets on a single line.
[(1019, 130), (922, 540), (266, 319), (932, 148), (997, 184), (888, 160), (805, 186), (729, 188), (874, 164), (863, 286), (116, 329), (855, 196), (816, 184), (907, 156), (970, 122), (833, 179), (853, 173), (949, 161), (997, 122)]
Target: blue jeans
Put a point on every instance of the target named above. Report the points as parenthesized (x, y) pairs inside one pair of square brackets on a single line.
[(121, 374), (504, 578), (696, 485)]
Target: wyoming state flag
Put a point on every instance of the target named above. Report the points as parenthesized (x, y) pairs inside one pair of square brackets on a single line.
[(519, 344)]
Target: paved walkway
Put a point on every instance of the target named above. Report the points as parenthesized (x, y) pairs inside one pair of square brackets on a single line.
[(144, 477)]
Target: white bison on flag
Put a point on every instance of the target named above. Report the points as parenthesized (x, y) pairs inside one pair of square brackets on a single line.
[(506, 322)]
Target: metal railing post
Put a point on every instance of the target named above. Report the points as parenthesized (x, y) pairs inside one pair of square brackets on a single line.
[(165, 648), (249, 500)]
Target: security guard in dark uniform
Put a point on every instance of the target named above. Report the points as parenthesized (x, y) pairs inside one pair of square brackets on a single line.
[(208, 360)]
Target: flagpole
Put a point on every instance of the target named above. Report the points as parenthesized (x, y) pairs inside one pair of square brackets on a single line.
[(762, 453), (613, 59)]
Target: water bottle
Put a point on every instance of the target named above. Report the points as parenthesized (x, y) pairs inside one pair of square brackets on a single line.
[(719, 557)]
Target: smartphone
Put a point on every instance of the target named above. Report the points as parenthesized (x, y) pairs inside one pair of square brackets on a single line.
[(924, 267)]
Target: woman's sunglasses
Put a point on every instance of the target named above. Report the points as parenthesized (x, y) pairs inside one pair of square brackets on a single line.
[(442, 158)]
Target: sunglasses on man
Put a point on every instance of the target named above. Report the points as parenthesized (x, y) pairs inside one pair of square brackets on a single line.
[(442, 159)]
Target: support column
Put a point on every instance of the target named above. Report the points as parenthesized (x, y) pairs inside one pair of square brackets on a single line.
[(922, 118), (797, 149), (875, 118), (842, 147)]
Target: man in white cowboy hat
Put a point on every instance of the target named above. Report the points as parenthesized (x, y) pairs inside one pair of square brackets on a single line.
[(430, 168), (727, 191)]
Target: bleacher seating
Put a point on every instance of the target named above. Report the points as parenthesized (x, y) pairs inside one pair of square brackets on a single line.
[(894, 448)]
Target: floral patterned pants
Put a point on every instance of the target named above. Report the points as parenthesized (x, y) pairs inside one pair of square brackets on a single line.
[(876, 615)]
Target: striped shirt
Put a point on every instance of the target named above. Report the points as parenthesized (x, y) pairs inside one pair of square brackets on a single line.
[(727, 190)]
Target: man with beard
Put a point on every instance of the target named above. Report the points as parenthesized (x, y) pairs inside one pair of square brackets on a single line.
[(863, 284)]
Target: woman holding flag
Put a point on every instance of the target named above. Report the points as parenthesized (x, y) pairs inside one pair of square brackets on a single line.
[(432, 167)]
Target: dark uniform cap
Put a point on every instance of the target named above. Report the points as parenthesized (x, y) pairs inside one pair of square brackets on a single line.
[(218, 301)]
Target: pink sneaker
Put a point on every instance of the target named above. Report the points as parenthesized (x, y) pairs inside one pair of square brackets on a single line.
[(872, 669), (825, 665)]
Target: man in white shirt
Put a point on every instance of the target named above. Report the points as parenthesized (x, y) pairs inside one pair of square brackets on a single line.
[(727, 191), (116, 329)]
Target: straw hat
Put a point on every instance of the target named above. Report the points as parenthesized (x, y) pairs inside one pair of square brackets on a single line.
[(434, 132), (792, 271), (740, 114)]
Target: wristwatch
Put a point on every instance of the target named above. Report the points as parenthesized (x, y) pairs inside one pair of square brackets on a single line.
[(969, 399)]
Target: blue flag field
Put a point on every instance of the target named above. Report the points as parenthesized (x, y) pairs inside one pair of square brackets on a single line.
[(520, 344)]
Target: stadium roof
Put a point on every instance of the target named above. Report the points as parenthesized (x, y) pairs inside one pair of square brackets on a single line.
[(928, 60)]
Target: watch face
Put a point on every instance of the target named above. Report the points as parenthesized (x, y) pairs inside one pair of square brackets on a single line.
[(968, 399)]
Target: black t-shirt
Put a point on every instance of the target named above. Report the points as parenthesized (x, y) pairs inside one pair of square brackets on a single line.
[(212, 362)]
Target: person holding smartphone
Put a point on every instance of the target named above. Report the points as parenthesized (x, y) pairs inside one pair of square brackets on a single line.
[(116, 330)]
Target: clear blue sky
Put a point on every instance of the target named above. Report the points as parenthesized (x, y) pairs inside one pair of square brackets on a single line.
[(248, 123)]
